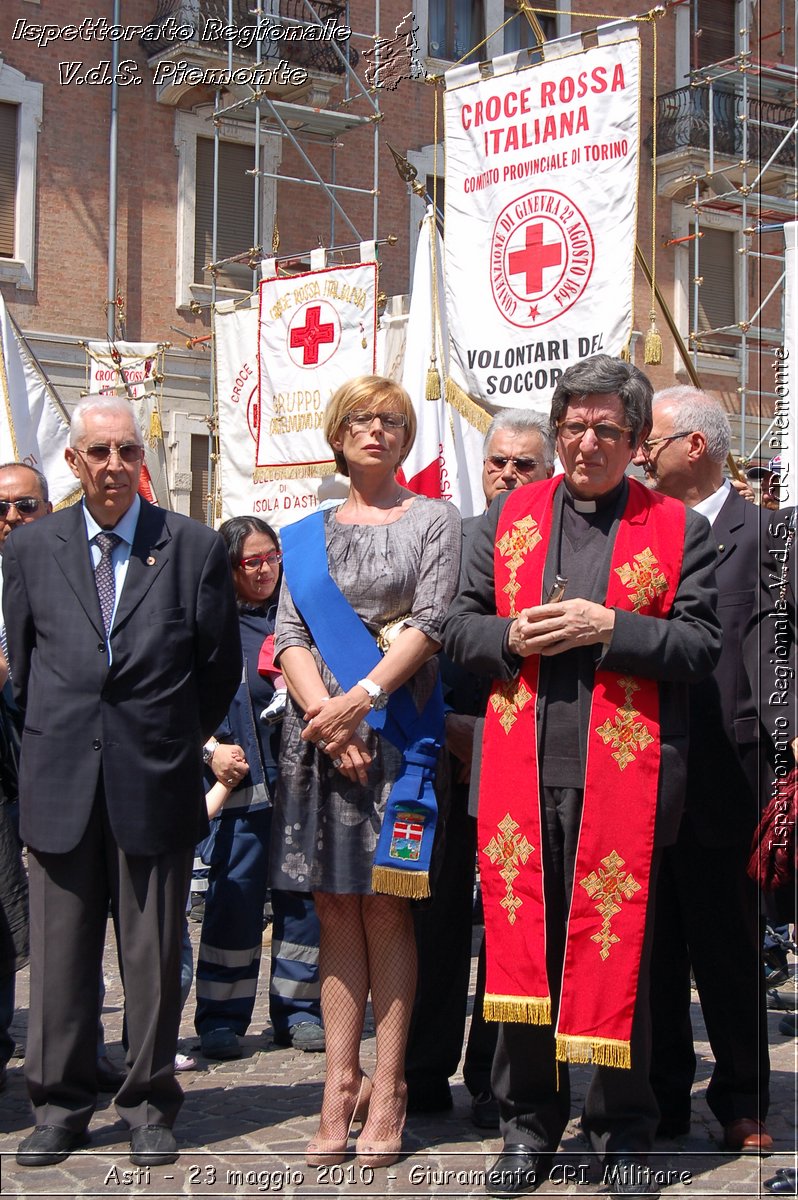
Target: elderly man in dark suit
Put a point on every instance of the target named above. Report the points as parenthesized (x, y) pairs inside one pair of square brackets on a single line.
[(582, 772), (703, 886), (125, 654)]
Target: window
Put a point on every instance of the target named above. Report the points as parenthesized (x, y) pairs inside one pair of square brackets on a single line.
[(194, 142), (455, 26), (717, 306), (8, 177), (714, 23), (519, 35), (20, 120), (235, 212)]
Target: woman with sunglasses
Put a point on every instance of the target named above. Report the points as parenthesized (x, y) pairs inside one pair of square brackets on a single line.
[(241, 762), (393, 557)]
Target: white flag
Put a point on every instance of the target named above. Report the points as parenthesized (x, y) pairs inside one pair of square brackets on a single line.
[(34, 426)]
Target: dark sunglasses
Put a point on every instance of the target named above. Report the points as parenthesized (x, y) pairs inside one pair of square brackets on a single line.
[(497, 462), (25, 506), (99, 454)]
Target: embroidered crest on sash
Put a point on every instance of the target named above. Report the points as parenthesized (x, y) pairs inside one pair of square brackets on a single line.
[(625, 733), (513, 546), (609, 886), (511, 851), (644, 580), (508, 700), (407, 835)]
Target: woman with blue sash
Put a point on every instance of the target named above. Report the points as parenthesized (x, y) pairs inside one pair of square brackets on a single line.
[(358, 628)]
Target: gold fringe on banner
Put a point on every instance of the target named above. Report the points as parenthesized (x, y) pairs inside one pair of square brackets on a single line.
[(410, 885), (467, 408), (433, 389), (604, 1052), (269, 474), (72, 498), (523, 1010), (626, 354)]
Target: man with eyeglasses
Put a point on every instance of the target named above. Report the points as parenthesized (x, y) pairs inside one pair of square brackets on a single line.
[(703, 885), (518, 449), (125, 654), (582, 771)]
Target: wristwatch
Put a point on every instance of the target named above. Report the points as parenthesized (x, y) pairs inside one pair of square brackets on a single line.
[(377, 697), (208, 751)]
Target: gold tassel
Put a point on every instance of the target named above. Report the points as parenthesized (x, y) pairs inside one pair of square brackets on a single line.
[(626, 354), (156, 429), (524, 1010), (467, 407), (410, 885), (652, 349), (604, 1052), (433, 388)]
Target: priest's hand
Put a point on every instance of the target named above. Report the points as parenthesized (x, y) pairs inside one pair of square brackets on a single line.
[(550, 629)]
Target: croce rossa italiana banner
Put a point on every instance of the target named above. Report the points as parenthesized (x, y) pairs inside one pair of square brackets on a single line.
[(541, 213)]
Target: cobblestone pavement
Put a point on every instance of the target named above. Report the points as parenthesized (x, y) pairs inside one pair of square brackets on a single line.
[(244, 1125)]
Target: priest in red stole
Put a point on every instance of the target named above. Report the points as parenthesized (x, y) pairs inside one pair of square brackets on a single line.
[(583, 768)]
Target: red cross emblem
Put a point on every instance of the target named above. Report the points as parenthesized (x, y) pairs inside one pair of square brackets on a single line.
[(311, 335), (534, 257)]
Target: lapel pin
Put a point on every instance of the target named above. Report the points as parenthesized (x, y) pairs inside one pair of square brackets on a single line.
[(721, 547), (150, 561)]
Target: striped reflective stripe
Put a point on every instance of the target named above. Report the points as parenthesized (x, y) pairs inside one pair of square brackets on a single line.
[(210, 989), (294, 989), (294, 952), (234, 959)]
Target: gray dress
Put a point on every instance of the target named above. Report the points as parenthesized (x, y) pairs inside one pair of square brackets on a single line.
[(325, 828)]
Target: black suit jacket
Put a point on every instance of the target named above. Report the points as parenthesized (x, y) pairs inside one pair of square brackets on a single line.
[(142, 720), (722, 776), (676, 652)]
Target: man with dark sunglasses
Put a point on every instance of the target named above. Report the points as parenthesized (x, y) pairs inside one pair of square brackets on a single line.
[(125, 654)]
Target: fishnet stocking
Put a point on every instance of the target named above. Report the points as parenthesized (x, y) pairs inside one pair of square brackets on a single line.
[(343, 967), (392, 969), (365, 940)]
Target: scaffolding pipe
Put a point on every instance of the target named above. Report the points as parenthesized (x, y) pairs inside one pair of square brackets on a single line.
[(110, 314)]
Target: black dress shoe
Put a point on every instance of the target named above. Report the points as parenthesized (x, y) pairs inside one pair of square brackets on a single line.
[(109, 1078), (629, 1175), (152, 1146), (784, 1182), (516, 1172), (49, 1144)]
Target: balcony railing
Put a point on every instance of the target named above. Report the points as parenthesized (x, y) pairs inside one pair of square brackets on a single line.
[(684, 116), (205, 18)]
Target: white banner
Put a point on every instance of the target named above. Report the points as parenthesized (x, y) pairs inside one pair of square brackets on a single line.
[(541, 213), (131, 369), (446, 458), (316, 331), (281, 501), (34, 426), (783, 437)]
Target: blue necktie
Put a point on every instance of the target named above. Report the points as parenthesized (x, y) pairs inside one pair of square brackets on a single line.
[(104, 576)]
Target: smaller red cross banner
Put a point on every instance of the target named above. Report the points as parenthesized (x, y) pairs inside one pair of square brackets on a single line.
[(312, 335)]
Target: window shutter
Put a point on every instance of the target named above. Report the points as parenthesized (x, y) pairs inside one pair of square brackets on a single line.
[(716, 20), (198, 500), (8, 177), (716, 296), (236, 209)]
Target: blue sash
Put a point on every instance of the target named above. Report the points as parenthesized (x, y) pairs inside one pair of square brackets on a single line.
[(402, 857)]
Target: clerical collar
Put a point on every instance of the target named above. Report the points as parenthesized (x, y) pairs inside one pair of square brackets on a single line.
[(608, 500)]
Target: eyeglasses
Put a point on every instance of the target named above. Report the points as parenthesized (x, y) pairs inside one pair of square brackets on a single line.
[(99, 454), (605, 431), (272, 559), (497, 462), (649, 444), (363, 420), (25, 506)]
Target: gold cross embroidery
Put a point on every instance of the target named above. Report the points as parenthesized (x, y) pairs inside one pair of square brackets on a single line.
[(514, 545), (508, 702), (512, 852), (644, 580), (608, 887), (625, 733)]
